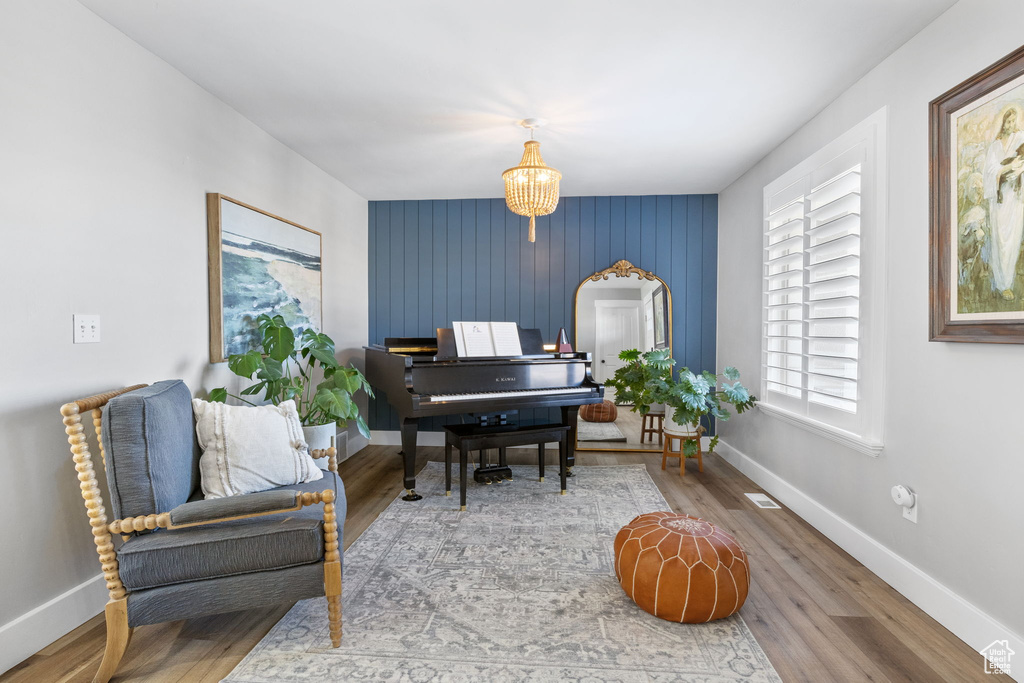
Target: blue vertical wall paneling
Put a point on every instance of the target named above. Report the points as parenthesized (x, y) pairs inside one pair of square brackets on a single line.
[(455, 285), (483, 255), (588, 231), (694, 279), (436, 261), (679, 286), (425, 307), (558, 304), (468, 263), (632, 230), (497, 259), (410, 235), (709, 307)]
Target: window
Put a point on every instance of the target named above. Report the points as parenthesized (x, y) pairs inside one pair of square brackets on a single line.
[(823, 274)]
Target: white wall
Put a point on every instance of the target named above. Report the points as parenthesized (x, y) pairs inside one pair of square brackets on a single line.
[(954, 427), (106, 154)]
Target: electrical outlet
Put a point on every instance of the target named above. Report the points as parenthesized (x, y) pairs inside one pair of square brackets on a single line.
[(87, 329), (911, 512)]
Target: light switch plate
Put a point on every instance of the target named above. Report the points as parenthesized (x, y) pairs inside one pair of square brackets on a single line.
[(87, 329)]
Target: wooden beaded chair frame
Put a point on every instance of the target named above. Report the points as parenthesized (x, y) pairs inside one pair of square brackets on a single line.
[(119, 633)]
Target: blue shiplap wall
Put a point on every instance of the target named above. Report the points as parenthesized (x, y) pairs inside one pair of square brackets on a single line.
[(435, 261)]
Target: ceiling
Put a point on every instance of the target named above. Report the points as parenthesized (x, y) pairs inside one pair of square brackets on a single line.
[(410, 99)]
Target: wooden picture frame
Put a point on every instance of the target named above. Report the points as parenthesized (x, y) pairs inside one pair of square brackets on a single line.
[(258, 263), (976, 269), (660, 303)]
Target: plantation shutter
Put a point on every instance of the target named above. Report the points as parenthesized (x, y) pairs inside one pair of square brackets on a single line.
[(784, 292), (812, 290)]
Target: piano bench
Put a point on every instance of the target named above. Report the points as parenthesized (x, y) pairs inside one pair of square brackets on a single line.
[(468, 437)]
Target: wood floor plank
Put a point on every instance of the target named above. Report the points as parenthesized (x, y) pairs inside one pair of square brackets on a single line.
[(899, 662), (792, 657), (946, 654), (818, 614), (820, 585), (841, 659)]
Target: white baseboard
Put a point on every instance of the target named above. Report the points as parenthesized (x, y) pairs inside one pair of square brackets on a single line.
[(34, 630), (353, 445), (962, 618)]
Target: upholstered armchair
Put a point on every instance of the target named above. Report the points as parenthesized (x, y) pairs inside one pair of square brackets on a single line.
[(181, 556)]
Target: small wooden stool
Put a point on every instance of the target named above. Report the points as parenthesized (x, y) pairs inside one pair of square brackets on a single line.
[(648, 429), (670, 438), (468, 438)]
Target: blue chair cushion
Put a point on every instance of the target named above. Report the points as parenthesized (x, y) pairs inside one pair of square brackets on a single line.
[(170, 556), (151, 455)]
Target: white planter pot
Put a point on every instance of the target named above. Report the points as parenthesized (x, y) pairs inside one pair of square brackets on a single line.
[(674, 427), (318, 437)]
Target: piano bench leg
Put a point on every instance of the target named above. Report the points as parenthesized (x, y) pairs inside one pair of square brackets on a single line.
[(563, 461), (447, 469), (540, 460), (463, 464)]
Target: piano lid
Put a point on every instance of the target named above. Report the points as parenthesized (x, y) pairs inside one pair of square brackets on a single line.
[(410, 345)]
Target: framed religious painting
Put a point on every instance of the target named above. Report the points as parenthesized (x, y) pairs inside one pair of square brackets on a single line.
[(977, 207), (259, 263)]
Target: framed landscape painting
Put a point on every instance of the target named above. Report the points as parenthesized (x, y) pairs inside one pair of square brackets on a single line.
[(259, 263), (977, 207)]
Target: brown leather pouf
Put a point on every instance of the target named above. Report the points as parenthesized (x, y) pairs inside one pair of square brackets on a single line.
[(605, 411), (681, 568)]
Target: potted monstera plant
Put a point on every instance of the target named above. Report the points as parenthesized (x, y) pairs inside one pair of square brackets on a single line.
[(648, 378), (631, 381), (287, 366)]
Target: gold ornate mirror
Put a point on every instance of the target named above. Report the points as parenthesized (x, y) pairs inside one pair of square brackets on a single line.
[(622, 307)]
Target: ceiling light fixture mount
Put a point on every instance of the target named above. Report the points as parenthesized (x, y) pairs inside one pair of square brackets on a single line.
[(531, 188)]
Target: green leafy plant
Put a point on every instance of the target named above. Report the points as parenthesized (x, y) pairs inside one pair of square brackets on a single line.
[(284, 368), (648, 378), (632, 381)]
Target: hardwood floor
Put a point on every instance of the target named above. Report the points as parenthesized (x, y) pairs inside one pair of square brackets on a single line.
[(819, 614)]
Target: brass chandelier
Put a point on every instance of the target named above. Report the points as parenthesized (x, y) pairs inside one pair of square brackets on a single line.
[(531, 188)]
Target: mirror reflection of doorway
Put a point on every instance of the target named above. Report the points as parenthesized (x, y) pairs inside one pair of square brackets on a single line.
[(616, 328), (620, 308)]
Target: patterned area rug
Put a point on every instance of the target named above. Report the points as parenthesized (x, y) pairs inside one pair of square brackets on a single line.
[(521, 587), (598, 431)]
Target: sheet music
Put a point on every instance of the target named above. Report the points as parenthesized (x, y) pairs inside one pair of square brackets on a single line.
[(473, 339), (476, 338), (506, 339)]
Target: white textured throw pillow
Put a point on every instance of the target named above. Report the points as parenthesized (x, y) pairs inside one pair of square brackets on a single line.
[(251, 448)]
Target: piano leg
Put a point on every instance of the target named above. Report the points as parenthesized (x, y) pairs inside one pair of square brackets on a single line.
[(540, 460), (409, 428), (563, 450), (463, 461), (447, 467), (570, 416)]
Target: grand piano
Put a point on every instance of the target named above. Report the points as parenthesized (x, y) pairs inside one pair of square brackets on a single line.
[(421, 377)]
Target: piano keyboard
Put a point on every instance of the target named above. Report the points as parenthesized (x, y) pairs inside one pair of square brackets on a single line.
[(508, 394)]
